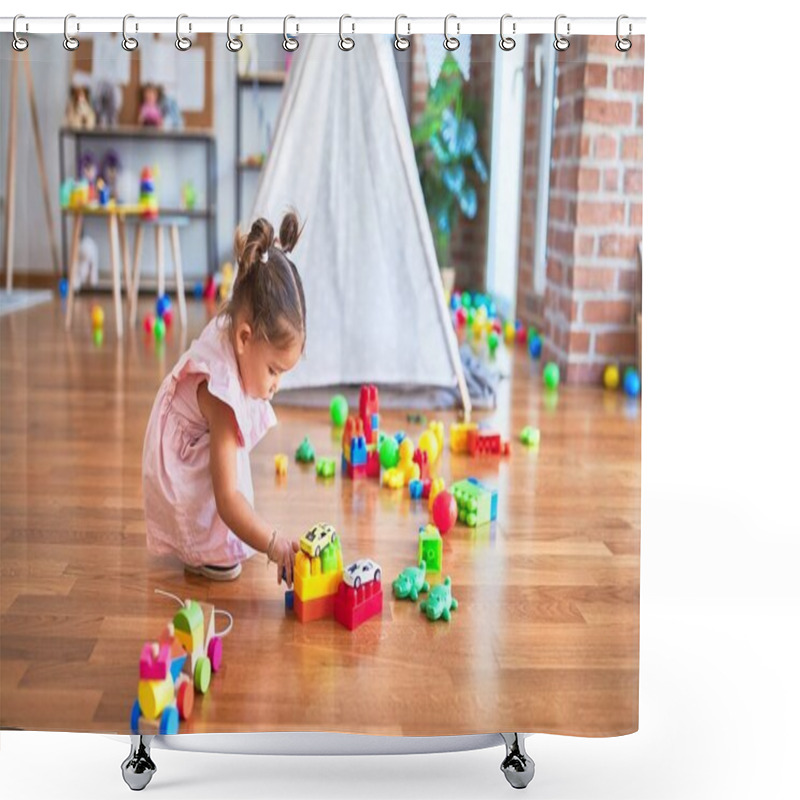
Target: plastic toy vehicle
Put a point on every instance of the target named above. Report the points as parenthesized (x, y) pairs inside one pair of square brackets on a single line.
[(317, 539), (361, 572)]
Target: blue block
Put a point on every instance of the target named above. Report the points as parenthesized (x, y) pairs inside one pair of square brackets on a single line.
[(289, 600), (415, 489), (375, 422), (484, 488), (358, 451), (176, 666), (399, 436), (344, 465)]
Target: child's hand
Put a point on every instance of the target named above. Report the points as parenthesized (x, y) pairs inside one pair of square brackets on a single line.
[(282, 553)]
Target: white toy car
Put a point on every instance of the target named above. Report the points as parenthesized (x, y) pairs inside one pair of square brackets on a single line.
[(360, 572)]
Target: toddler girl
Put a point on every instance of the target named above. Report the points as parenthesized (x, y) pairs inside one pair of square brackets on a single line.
[(214, 407)]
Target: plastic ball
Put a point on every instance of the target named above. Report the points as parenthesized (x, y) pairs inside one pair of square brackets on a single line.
[(97, 336), (611, 376), (429, 444), (493, 340), (466, 300), (339, 410), (508, 332), (445, 511), (551, 375), (535, 346), (159, 329), (461, 316), (389, 453), (163, 304), (149, 323), (470, 316), (455, 301), (97, 317), (632, 383), (63, 287), (521, 333), (167, 317)]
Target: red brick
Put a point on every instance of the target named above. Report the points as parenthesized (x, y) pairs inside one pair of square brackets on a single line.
[(608, 112), (633, 181), (639, 114), (569, 308), (592, 278), (588, 180), (578, 342), (635, 215), (629, 78), (586, 145), (584, 245), (611, 180), (600, 44), (584, 373), (599, 213), (558, 209), (628, 280), (615, 343), (596, 75), (607, 311), (560, 241), (555, 272), (617, 245), (632, 148), (605, 147)]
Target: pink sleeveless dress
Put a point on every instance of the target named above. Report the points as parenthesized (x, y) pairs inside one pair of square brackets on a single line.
[(179, 507)]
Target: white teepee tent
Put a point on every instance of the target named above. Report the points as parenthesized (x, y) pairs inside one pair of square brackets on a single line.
[(342, 157)]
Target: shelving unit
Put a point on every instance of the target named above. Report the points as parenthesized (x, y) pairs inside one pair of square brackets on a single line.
[(272, 81), (151, 135)]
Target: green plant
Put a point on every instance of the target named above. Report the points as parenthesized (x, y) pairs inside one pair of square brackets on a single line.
[(450, 164)]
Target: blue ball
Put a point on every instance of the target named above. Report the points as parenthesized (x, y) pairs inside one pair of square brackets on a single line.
[(632, 383), (63, 287), (535, 346), (163, 305)]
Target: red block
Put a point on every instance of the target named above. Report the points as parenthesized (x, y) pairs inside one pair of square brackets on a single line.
[(367, 406), (421, 457), (311, 610), (359, 471), (481, 442), (373, 464), (426, 488), (355, 606)]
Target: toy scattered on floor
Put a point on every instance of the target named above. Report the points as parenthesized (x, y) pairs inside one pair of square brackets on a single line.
[(360, 454), (149, 323), (317, 539), (339, 410), (63, 288), (410, 583), (477, 504), (159, 329), (437, 485), (281, 464), (551, 375), (416, 419), (305, 452), (529, 436), (317, 574), (611, 377), (198, 290), (326, 468), (389, 453), (355, 604), (97, 337), (148, 204), (440, 602), (444, 511), (97, 317), (428, 443), (535, 346), (361, 572), (164, 309), (492, 341), (459, 433), (430, 548), (181, 662), (415, 490), (632, 383), (487, 442)]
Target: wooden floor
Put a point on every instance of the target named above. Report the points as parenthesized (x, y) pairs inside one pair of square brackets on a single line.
[(545, 638)]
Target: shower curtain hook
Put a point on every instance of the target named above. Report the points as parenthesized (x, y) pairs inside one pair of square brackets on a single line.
[(400, 42), (345, 42), (234, 44), (561, 43), (506, 42), (451, 42), (623, 43), (128, 42), (183, 43), (70, 42), (290, 44), (18, 43)]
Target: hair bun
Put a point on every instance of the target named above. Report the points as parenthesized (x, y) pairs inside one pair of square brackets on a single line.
[(290, 231)]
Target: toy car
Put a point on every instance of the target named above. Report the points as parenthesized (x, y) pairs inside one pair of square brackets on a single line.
[(360, 572), (317, 539)]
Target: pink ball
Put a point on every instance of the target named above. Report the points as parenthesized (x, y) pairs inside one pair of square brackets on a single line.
[(445, 511), (461, 316)]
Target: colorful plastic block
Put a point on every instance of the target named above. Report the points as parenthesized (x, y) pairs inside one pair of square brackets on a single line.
[(358, 451), (154, 662), (422, 460), (493, 494), (353, 428), (430, 548), (440, 602), (482, 442), (155, 696), (326, 468), (459, 432), (368, 410), (354, 607), (288, 600), (437, 428), (437, 485), (312, 610), (410, 582), (415, 490), (475, 502), (373, 463), (393, 478), (281, 464), (530, 436), (429, 444), (310, 581), (426, 488)]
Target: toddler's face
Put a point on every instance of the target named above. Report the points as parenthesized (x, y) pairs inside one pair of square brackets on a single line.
[(260, 364)]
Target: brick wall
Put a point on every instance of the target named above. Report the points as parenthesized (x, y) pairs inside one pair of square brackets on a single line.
[(595, 211)]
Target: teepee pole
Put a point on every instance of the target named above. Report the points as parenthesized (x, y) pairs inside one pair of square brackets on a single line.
[(11, 169)]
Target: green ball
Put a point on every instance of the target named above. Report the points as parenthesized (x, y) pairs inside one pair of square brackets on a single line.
[(389, 453), (339, 410), (470, 316), (466, 299), (493, 340), (159, 329), (551, 375)]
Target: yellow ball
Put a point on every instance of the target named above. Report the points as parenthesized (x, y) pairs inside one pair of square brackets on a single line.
[(428, 444), (611, 376), (97, 317), (509, 332)]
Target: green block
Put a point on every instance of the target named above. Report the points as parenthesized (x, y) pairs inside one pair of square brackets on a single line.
[(189, 618), (474, 504), (326, 468), (329, 557), (430, 548)]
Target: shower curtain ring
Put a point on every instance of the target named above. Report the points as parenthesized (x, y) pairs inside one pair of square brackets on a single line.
[(345, 42), (560, 43), (234, 44), (623, 43), (506, 42), (451, 42), (183, 43), (70, 42), (128, 42), (290, 44), (400, 42), (18, 43)]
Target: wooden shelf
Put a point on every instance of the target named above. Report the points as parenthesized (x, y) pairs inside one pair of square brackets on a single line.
[(138, 132), (262, 78), (244, 166)]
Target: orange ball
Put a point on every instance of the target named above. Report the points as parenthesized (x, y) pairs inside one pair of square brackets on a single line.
[(97, 317)]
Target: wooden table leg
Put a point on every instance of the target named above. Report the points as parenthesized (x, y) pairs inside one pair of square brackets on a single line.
[(113, 243), (137, 253), (160, 260), (176, 258), (123, 244), (77, 225)]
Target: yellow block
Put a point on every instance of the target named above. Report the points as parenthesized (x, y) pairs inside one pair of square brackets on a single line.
[(190, 641), (459, 431), (309, 581), (410, 472), (281, 464), (155, 696), (393, 478), (437, 485), (438, 431), (406, 451)]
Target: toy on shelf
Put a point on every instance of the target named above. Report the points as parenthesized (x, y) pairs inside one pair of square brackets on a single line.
[(172, 669), (529, 436), (611, 377), (339, 410), (281, 464), (80, 114), (477, 504), (430, 548), (305, 452), (107, 102), (444, 511), (355, 604), (440, 602), (632, 383), (226, 278), (148, 204), (317, 574), (150, 109), (551, 375), (326, 468), (188, 196), (410, 583), (109, 170)]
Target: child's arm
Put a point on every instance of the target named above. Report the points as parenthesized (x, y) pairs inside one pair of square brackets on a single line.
[(232, 506)]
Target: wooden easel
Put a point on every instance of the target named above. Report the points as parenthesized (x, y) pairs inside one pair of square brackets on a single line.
[(12, 163)]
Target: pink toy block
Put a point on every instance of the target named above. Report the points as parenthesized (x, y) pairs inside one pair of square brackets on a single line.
[(154, 662), (355, 606)]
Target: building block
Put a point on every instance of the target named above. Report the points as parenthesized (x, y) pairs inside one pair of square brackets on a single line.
[(288, 601), (426, 488), (310, 581), (312, 610), (459, 431), (393, 478), (155, 696), (354, 472), (358, 451), (281, 464), (367, 410), (430, 548), (354, 607), (475, 502), (438, 431), (493, 492), (154, 662), (437, 485), (373, 463), (420, 458), (415, 490), (486, 442), (326, 468), (353, 428)]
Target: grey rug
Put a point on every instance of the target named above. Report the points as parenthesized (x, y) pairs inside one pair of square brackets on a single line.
[(20, 299)]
